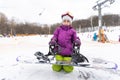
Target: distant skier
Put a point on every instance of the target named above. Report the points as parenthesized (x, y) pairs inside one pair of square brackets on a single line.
[(95, 36), (64, 36), (102, 35)]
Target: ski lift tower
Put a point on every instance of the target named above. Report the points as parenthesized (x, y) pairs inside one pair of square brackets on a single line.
[(99, 6)]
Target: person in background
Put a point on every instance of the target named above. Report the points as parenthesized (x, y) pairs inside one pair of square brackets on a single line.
[(65, 36), (119, 38), (95, 36)]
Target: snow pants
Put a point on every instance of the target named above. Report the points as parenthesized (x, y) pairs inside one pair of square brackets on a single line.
[(66, 68)]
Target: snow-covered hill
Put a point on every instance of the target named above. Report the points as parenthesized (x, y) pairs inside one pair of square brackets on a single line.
[(12, 47)]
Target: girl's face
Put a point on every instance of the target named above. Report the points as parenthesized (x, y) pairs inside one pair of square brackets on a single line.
[(66, 22)]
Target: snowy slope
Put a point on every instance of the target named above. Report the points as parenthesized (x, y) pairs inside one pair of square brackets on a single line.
[(12, 47)]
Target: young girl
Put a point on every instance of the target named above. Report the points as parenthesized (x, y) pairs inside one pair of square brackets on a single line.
[(65, 36)]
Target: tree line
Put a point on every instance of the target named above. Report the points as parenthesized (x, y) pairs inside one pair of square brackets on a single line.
[(13, 27)]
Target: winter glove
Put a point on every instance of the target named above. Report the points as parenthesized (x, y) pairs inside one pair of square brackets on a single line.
[(52, 42), (53, 47), (77, 42)]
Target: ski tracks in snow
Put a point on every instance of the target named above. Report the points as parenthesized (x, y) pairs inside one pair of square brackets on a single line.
[(98, 74)]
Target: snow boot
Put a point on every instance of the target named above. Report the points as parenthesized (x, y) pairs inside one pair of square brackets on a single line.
[(57, 67), (67, 68)]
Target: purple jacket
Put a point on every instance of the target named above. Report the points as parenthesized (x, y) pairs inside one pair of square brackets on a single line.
[(65, 36)]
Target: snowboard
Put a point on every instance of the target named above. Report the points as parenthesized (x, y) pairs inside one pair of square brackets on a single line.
[(40, 58)]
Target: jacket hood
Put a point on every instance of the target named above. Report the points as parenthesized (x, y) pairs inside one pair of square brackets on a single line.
[(66, 27)]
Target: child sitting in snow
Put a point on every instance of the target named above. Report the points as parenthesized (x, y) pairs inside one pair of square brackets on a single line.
[(65, 36)]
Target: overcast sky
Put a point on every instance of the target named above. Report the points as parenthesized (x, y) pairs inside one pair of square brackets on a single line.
[(28, 10)]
